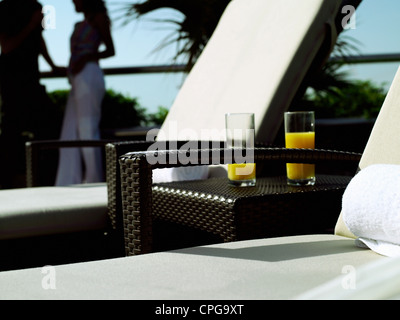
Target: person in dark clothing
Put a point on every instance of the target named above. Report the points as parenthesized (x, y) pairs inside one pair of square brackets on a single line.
[(27, 112)]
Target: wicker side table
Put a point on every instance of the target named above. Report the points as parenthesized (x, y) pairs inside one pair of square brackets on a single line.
[(270, 209), (232, 216)]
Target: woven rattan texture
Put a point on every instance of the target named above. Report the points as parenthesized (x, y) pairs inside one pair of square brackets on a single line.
[(136, 200), (113, 152), (111, 178), (271, 208), (265, 185), (29, 165), (207, 211)]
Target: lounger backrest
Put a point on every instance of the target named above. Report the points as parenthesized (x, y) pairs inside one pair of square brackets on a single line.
[(254, 62), (384, 142), (383, 146)]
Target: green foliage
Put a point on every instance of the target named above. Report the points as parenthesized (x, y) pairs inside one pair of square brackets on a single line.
[(118, 110), (157, 118), (59, 98), (360, 99)]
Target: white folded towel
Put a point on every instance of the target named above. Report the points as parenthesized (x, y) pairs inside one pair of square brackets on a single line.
[(371, 208)]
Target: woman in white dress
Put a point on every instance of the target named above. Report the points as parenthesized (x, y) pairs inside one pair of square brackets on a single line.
[(83, 110)]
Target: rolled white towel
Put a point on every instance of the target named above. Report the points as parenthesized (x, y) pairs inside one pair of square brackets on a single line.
[(371, 208)]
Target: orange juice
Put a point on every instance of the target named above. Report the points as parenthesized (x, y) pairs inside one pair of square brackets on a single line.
[(302, 140), (241, 171)]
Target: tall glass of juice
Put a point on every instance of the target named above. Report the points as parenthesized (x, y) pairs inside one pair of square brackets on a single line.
[(300, 134), (240, 140)]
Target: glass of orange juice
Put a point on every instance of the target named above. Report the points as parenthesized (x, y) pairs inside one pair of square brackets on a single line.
[(300, 134), (240, 139)]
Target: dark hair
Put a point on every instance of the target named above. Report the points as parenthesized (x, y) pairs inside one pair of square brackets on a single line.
[(15, 15), (94, 6)]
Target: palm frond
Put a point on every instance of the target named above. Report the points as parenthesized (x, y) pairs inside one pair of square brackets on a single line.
[(200, 17)]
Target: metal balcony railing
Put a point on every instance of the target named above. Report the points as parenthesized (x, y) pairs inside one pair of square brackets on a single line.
[(361, 59), (129, 70), (370, 58)]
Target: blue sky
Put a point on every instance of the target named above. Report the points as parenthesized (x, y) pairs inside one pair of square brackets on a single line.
[(377, 27), (377, 30)]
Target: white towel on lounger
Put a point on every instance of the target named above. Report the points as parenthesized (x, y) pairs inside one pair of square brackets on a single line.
[(371, 208)]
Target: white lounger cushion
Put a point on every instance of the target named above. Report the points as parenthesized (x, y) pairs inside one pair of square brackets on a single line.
[(383, 146), (279, 268), (378, 280), (52, 210)]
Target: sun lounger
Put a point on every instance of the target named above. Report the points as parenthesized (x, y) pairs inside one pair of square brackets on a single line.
[(46, 218), (255, 61), (278, 268)]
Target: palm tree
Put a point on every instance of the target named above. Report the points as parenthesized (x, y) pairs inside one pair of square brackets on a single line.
[(192, 33)]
